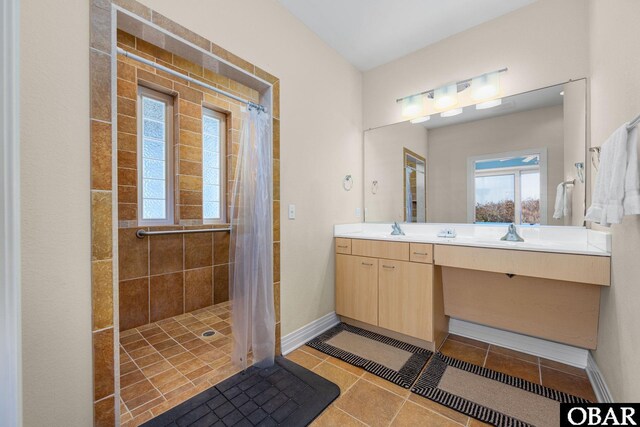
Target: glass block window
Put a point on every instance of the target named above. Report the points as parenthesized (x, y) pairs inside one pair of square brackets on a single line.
[(213, 178), (155, 200)]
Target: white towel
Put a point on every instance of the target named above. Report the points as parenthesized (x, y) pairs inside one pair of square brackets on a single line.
[(607, 202), (631, 204), (562, 207), (558, 210)]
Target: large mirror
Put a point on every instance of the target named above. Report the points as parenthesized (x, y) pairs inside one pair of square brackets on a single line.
[(521, 161)]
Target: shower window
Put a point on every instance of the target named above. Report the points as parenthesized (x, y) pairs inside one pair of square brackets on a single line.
[(155, 189), (213, 171)]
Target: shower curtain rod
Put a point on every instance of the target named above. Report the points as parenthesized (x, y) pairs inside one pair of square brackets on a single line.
[(189, 79)]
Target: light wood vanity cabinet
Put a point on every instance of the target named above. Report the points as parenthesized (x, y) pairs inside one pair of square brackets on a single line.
[(405, 292), (389, 285), (357, 288)]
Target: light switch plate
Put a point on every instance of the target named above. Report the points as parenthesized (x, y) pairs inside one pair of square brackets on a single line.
[(292, 211)]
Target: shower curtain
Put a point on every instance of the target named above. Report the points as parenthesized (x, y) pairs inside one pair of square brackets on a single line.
[(251, 274)]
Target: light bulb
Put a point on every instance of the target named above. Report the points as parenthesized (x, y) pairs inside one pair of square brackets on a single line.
[(446, 96), (451, 113), (420, 119), (412, 106), (489, 104), (486, 86)]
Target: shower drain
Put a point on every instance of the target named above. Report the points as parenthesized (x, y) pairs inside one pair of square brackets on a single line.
[(208, 333)]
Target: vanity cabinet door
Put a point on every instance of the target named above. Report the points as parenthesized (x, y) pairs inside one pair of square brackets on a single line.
[(357, 288), (405, 298)]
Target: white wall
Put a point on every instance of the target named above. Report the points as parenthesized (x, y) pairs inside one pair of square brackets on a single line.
[(321, 135), (56, 255), (542, 44), (615, 99), (384, 162), (451, 146)]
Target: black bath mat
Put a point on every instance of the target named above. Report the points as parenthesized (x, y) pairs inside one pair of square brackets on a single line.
[(388, 358), (285, 394)]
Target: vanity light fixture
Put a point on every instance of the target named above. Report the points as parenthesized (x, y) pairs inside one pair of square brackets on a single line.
[(451, 113), (489, 104), (483, 88), (420, 119)]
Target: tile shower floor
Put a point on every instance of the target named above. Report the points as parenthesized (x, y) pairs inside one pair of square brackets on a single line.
[(166, 363)]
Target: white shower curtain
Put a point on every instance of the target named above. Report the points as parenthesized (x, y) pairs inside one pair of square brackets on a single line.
[(251, 274)]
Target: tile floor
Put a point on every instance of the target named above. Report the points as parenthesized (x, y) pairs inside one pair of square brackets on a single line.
[(367, 400), (166, 363)]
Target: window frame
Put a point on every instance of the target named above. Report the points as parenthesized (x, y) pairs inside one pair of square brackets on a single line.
[(517, 171), (168, 100), (222, 117)]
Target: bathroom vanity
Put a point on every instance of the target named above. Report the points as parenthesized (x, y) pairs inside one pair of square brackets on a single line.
[(547, 286)]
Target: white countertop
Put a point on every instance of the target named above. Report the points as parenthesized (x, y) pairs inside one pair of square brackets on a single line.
[(560, 239)]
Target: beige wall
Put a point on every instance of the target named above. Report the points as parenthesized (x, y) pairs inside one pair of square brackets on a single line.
[(451, 146), (321, 135), (56, 255), (574, 114), (615, 89), (384, 162), (542, 44)]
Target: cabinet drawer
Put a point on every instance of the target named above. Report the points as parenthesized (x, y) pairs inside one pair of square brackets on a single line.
[(380, 249), (343, 246), (568, 267), (421, 252)]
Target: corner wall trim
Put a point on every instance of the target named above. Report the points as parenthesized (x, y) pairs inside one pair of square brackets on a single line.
[(563, 353), (597, 381), (297, 338), (10, 324)]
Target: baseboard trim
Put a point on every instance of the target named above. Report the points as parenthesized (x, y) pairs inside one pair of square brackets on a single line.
[(597, 381), (297, 338), (563, 353)]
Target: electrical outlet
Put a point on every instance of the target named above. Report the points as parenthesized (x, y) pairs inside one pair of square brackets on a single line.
[(292, 211), (358, 212)]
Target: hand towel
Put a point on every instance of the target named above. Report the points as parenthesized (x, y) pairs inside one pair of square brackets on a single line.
[(566, 201), (608, 193), (631, 204), (558, 209)]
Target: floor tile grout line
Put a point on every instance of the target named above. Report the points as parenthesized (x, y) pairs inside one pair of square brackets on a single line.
[(398, 412), (145, 377), (349, 415)]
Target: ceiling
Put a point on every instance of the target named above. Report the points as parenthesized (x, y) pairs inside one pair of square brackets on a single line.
[(369, 33)]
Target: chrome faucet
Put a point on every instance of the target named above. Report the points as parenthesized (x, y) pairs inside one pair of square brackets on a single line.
[(396, 230), (512, 234)]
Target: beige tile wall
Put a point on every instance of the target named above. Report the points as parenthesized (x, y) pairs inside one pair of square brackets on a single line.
[(196, 269), (163, 276)]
